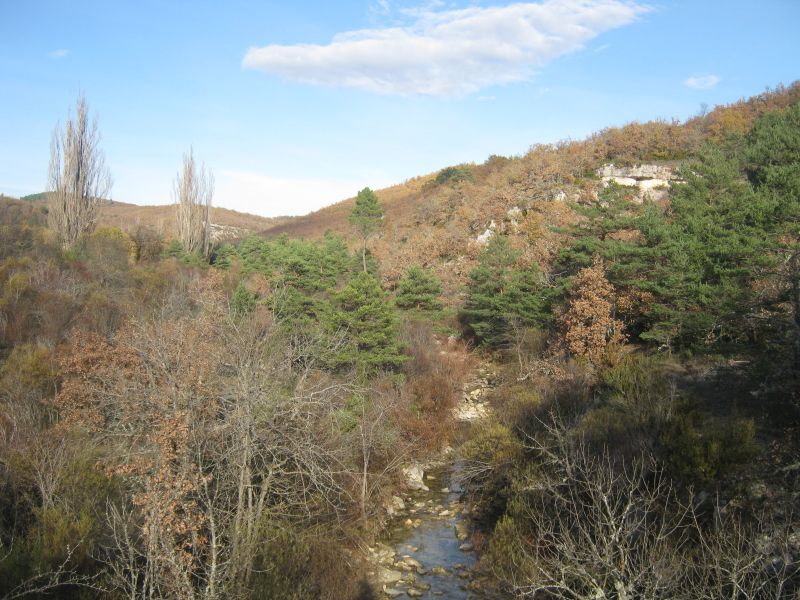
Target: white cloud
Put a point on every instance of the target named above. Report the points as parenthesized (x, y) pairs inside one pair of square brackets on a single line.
[(448, 52), (60, 53), (702, 82), (275, 196)]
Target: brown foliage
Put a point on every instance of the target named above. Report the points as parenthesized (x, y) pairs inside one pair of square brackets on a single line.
[(436, 375), (589, 324)]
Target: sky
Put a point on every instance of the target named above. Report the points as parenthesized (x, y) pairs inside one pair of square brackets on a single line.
[(296, 105)]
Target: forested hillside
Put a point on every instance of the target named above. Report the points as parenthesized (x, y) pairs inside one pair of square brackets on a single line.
[(232, 419)]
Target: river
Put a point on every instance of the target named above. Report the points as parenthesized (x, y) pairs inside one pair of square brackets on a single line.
[(426, 551)]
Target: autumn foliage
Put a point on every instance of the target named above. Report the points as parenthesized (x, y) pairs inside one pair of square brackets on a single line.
[(589, 324)]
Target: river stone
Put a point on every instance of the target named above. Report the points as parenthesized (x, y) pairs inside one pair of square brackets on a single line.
[(389, 575), (411, 562), (466, 547), (392, 592), (414, 474), (438, 571), (414, 593), (423, 586)]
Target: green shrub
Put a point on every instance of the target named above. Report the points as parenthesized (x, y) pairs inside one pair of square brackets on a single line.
[(506, 555), (697, 450), (243, 302), (493, 455)]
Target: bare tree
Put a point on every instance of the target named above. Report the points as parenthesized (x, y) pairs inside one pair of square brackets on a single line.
[(78, 179), (595, 529), (193, 191)]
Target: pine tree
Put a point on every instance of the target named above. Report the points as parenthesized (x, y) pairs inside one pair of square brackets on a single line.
[(704, 254), (367, 219), (366, 318), (419, 289), (501, 294)]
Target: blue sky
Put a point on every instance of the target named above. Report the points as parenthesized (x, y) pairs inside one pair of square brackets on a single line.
[(296, 105)]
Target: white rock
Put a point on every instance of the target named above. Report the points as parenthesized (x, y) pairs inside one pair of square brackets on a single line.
[(484, 238), (414, 474)]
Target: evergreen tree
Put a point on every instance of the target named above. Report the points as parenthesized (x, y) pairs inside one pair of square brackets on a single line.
[(367, 319), (224, 256), (243, 302), (501, 294), (419, 289), (367, 219), (704, 255), (773, 165)]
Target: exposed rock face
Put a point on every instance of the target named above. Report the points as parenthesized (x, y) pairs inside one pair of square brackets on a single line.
[(221, 233), (653, 181)]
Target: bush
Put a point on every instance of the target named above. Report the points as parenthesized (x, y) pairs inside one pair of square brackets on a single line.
[(296, 566), (148, 243), (492, 457), (698, 450)]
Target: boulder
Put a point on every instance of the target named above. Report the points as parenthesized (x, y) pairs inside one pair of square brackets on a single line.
[(414, 474)]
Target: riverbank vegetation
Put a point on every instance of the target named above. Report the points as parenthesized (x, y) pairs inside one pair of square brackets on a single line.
[(226, 420)]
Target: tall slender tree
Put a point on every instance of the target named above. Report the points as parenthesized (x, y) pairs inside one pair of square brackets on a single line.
[(193, 192), (78, 178), (367, 219)]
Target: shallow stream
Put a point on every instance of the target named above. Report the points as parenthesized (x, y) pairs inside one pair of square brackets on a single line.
[(426, 552)]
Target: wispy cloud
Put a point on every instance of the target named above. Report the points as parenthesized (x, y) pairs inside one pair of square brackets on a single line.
[(60, 53), (448, 52), (702, 82)]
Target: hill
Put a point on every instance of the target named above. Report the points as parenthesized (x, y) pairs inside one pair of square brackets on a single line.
[(441, 220), (226, 223)]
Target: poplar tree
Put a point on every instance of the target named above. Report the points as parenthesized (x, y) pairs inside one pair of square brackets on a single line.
[(79, 178)]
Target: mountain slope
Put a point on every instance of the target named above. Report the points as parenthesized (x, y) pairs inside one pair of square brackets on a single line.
[(440, 220)]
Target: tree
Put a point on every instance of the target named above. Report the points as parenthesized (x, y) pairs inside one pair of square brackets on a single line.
[(78, 179), (705, 254), (367, 218), (589, 323), (773, 165), (367, 319), (193, 191), (419, 289), (501, 294)]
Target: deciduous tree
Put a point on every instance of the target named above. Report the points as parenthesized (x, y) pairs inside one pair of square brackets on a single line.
[(79, 178), (193, 192), (589, 323)]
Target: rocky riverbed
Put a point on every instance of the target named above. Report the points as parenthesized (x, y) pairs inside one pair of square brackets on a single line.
[(427, 551)]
